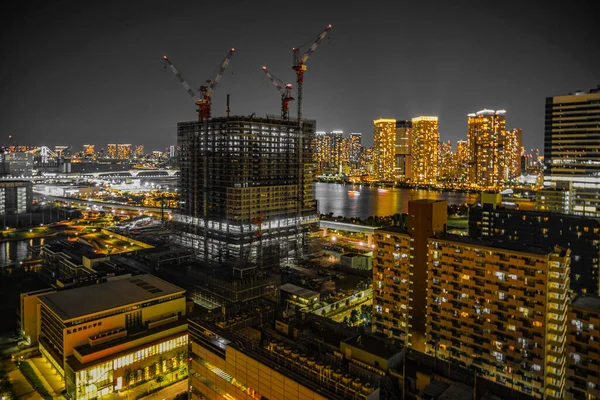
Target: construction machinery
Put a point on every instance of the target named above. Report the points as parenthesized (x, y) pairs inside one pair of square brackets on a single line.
[(286, 93), (299, 66), (203, 102)]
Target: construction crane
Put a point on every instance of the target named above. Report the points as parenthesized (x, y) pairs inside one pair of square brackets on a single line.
[(286, 93), (203, 102), (299, 66)]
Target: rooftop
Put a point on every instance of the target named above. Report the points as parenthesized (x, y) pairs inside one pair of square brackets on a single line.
[(73, 303), (374, 345), (496, 244), (298, 291), (586, 301)]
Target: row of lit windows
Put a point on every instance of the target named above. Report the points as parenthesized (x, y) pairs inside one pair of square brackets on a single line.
[(150, 351)]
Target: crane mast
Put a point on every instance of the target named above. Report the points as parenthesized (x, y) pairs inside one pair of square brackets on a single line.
[(299, 66), (284, 89)]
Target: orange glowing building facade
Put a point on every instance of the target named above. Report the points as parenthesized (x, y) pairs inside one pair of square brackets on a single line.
[(424, 149)]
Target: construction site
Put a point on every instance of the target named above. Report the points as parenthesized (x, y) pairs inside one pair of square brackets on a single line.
[(247, 202)]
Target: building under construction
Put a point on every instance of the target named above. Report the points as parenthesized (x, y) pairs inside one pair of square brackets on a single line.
[(246, 189)]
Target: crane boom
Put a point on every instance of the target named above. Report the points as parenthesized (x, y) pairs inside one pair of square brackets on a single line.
[(207, 90), (286, 92), (316, 43), (181, 80), (276, 81)]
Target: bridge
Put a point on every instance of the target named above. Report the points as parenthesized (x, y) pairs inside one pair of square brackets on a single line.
[(132, 173), (368, 231)]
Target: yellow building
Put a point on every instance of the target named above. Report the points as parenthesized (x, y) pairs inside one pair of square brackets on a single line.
[(89, 150), (111, 151), (424, 149), (502, 309), (246, 365), (102, 338), (487, 158), (583, 348), (384, 149), (124, 151), (139, 150), (403, 162)]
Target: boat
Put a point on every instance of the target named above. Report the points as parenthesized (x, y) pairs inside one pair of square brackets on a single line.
[(382, 190), (353, 192)]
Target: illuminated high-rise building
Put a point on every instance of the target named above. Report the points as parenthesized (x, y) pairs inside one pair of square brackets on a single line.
[(355, 149), (500, 308), (384, 150), (424, 149), (485, 137), (403, 158), (124, 151), (462, 160), (322, 152), (338, 147), (446, 161), (89, 150), (572, 150), (112, 151), (139, 150)]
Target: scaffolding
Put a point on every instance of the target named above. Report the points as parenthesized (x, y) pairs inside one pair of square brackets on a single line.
[(245, 200)]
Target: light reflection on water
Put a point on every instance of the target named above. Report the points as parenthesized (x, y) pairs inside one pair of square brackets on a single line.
[(16, 251), (364, 201)]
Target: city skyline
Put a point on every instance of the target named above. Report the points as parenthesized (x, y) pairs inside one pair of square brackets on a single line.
[(102, 68)]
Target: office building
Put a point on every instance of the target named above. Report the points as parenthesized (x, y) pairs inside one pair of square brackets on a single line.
[(17, 164), (571, 157), (500, 308), (424, 144), (384, 148), (542, 228), (485, 139), (15, 197), (248, 200), (403, 157), (583, 348), (106, 337)]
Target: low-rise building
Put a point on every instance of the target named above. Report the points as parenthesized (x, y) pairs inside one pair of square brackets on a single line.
[(105, 337)]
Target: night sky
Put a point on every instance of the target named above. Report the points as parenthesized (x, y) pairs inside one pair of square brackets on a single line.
[(92, 72)]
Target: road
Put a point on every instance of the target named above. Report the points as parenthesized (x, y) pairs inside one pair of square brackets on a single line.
[(103, 204)]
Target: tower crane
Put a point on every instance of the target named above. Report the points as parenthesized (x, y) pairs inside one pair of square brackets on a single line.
[(203, 102), (299, 66), (286, 92)]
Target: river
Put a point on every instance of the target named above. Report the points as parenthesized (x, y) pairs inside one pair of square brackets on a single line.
[(363, 201)]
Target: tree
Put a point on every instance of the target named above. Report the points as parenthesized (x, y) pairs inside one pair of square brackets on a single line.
[(345, 321), (353, 317)]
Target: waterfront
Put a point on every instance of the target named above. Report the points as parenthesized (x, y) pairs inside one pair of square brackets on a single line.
[(363, 201), (13, 251)]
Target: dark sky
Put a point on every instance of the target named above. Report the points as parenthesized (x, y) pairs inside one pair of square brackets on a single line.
[(75, 72)]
